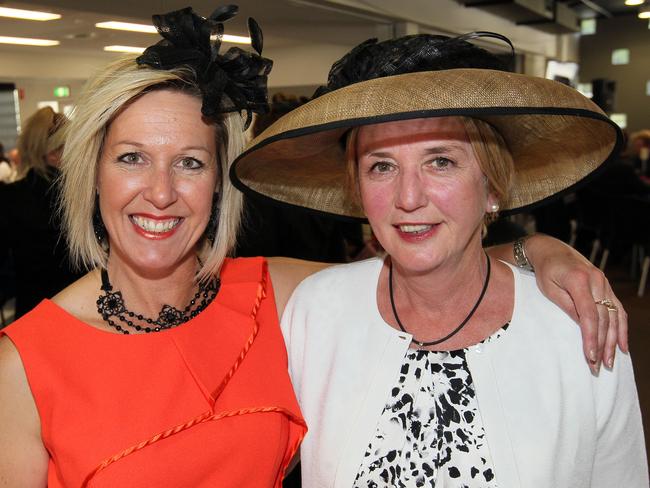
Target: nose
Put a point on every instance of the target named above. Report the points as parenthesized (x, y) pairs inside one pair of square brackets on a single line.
[(410, 194), (161, 190)]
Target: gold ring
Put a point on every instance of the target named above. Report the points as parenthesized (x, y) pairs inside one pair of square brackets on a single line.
[(608, 303)]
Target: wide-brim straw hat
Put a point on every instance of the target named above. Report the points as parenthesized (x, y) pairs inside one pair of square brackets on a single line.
[(556, 135)]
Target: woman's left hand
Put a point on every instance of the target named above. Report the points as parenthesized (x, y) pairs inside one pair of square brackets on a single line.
[(574, 284)]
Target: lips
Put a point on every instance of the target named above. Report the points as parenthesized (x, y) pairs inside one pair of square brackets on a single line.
[(415, 228), (155, 226), (416, 232)]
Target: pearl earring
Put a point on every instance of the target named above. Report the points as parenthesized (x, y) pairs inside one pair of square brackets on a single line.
[(494, 207)]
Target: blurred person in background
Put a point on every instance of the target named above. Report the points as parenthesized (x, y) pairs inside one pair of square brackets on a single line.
[(29, 228), (7, 172)]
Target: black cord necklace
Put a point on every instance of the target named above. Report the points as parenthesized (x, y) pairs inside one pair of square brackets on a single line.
[(111, 304), (453, 332)]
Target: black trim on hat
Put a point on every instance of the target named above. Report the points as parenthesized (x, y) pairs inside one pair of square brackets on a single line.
[(475, 112)]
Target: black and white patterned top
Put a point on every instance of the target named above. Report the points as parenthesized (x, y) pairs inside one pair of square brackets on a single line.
[(430, 433)]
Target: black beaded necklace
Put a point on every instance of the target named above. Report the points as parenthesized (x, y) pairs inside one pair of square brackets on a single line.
[(111, 304), (453, 332)]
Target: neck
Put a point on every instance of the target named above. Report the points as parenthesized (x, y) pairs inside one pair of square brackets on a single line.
[(146, 291), (445, 288)]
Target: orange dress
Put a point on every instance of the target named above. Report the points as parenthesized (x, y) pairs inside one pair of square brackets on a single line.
[(205, 404)]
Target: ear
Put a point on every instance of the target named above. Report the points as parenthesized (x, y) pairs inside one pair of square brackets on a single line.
[(491, 204)]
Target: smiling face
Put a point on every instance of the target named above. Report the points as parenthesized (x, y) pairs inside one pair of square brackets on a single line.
[(422, 190), (157, 174)]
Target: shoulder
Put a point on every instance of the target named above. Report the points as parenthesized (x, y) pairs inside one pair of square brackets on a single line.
[(532, 303), (286, 274), (350, 273), (540, 323), (240, 270), (79, 298), (341, 282)]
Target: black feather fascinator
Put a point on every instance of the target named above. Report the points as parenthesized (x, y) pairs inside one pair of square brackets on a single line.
[(233, 81), (411, 54)]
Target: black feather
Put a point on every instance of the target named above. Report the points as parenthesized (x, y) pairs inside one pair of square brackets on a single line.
[(257, 39), (223, 13)]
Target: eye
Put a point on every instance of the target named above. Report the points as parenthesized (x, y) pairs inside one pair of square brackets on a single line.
[(130, 158), (441, 162), (381, 167), (191, 163)]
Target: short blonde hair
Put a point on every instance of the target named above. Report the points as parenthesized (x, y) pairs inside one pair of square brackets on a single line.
[(104, 96), (33, 142), (490, 149)]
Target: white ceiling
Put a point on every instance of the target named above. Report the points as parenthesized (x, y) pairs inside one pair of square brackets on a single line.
[(284, 22), (303, 36)]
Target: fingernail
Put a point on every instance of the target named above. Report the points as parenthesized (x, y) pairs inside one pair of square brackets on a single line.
[(595, 368), (610, 363), (592, 355)]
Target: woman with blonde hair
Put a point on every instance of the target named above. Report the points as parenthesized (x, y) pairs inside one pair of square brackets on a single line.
[(30, 228), (165, 364)]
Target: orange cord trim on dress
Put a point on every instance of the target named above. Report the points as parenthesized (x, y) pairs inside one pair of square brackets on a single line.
[(210, 416)]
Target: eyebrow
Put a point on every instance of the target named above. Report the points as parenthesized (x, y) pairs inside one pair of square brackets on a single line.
[(442, 149), (137, 144)]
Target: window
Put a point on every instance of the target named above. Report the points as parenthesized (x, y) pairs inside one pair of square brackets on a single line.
[(619, 119), (587, 27), (620, 56)]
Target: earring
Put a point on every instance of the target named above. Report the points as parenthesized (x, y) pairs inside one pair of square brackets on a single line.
[(98, 224), (213, 223), (494, 207)]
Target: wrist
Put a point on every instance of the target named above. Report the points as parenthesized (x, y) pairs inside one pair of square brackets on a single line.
[(520, 256)]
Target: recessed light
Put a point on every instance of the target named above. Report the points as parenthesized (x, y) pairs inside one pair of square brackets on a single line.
[(16, 13), (127, 26), (633, 3), (125, 49), (150, 29), (26, 41)]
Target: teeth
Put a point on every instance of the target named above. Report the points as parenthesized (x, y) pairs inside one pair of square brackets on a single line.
[(155, 226), (415, 229)]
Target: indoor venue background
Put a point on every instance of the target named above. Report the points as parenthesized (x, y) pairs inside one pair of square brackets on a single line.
[(600, 47)]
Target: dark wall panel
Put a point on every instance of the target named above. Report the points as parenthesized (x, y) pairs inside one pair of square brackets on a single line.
[(596, 62)]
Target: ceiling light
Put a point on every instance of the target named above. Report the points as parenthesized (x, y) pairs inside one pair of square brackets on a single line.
[(150, 29), (15, 13), (26, 41), (125, 49), (632, 3), (644, 11), (127, 26), (236, 39)]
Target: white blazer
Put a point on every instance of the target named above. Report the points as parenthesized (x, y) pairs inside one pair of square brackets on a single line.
[(549, 422)]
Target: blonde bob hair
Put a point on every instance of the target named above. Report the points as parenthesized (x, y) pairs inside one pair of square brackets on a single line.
[(104, 96), (490, 149)]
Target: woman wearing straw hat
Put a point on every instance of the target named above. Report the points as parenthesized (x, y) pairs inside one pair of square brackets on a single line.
[(437, 365)]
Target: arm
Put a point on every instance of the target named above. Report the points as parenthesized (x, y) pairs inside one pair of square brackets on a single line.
[(573, 283), (24, 459), (620, 457), (286, 274)]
